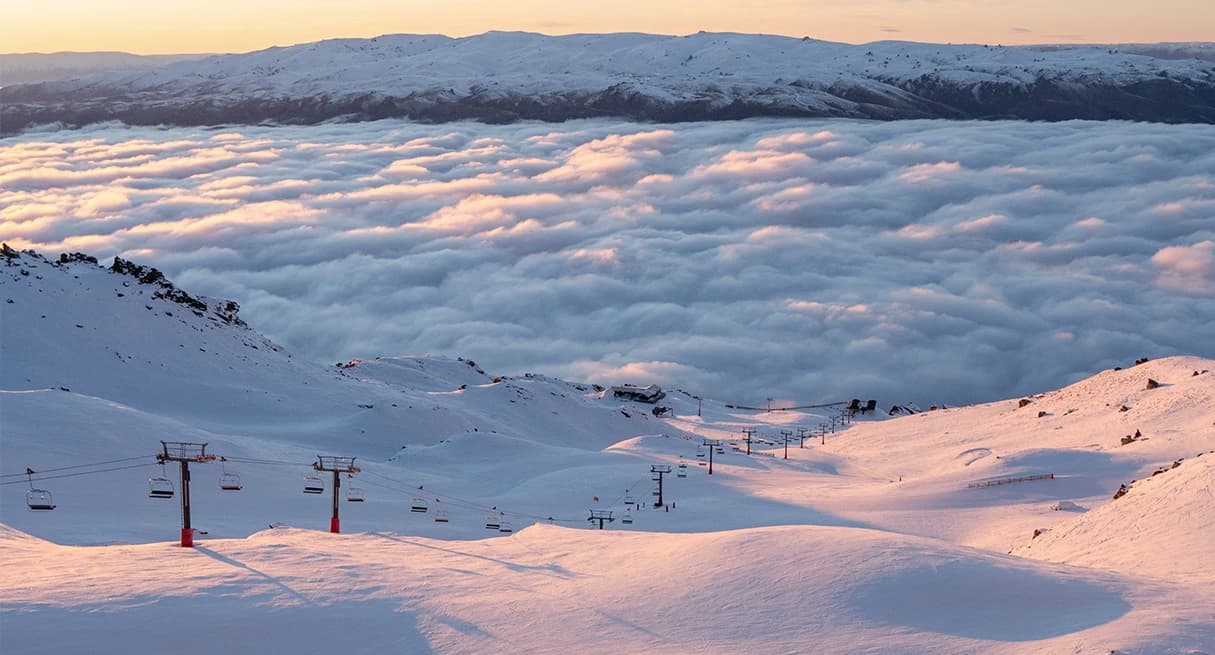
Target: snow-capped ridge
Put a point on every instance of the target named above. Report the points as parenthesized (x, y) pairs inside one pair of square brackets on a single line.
[(509, 76)]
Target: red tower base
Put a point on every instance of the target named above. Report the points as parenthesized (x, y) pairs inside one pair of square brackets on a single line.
[(187, 537), (335, 525)]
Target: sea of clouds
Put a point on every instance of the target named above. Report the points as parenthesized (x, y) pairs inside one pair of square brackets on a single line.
[(928, 261)]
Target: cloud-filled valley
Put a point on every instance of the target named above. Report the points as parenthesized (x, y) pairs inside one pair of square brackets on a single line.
[(927, 261)]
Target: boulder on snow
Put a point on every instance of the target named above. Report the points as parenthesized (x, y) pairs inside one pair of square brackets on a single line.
[(1152, 384)]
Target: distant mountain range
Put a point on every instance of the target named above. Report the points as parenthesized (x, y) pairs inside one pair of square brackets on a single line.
[(33, 67), (511, 76)]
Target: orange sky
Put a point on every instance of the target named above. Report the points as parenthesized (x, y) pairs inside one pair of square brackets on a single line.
[(169, 26)]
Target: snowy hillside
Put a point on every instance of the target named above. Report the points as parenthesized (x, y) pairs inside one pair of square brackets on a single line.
[(507, 76), (913, 534), (1162, 527)]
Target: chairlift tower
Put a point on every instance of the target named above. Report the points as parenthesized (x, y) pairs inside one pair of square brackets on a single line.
[(184, 452), (750, 432), (712, 444), (786, 434), (337, 466), (601, 515), (659, 470), (801, 436)]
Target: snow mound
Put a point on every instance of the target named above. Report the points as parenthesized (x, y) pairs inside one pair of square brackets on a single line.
[(557, 590)]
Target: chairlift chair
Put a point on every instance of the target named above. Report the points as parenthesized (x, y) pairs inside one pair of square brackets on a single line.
[(505, 527), (683, 472), (228, 481), (493, 522), (700, 453), (627, 519), (161, 487), (629, 500), (418, 505), (441, 516), (37, 499), (313, 484), (355, 495)]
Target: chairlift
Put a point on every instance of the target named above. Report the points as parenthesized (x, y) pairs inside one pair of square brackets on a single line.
[(629, 500), (37, 499), (627, 519), (441, 516), (700, 453), (161, 487), (505, 526), (493, 522), (683, 472), (654, 493), (419, 505), (228, 481), (721, 451), (313, 484), (355, 495)]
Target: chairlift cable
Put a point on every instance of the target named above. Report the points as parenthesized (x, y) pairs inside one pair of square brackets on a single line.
[(77, 466), (74, 475), (467, 504)]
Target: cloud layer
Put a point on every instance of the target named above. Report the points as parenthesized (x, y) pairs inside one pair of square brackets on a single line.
[(913, 261)]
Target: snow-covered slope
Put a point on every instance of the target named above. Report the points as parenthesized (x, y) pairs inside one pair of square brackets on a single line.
[(872, 541), (1073, 434), (1162, 527), (505, 76), (131, 337)]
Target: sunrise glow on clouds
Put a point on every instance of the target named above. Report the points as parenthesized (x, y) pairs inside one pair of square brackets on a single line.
[(741, 260)]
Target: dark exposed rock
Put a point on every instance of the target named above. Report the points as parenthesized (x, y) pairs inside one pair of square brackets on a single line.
[(65, 258)]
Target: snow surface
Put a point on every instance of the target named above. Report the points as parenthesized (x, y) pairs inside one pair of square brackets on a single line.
[(871, 542)]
